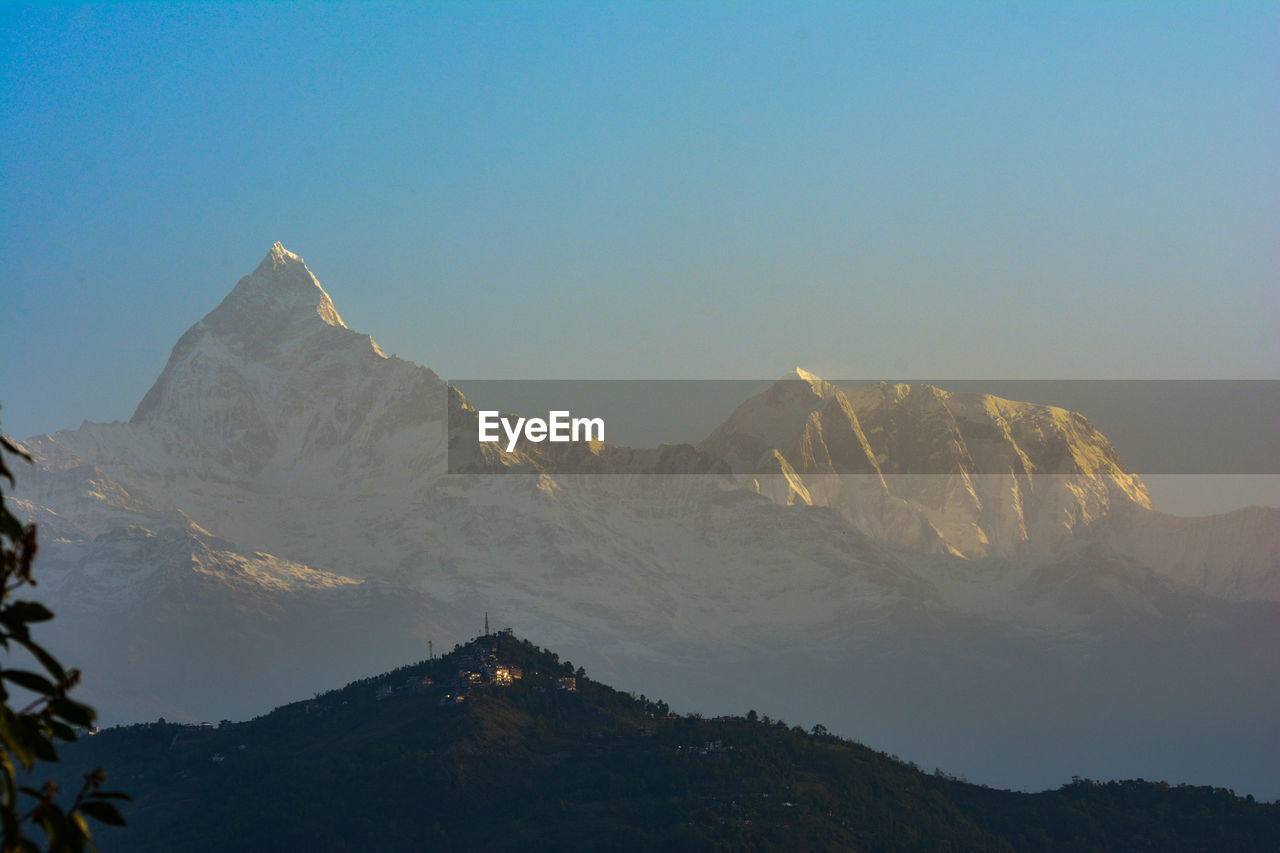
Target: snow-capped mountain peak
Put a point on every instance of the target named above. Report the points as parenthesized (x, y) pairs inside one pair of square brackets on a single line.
[(281, 287), (274, 372), (969, 474)]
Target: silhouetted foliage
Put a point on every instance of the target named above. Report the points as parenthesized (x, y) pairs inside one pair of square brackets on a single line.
[(30, 734)]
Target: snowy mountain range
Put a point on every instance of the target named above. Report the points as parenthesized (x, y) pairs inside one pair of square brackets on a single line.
[(973, 582)]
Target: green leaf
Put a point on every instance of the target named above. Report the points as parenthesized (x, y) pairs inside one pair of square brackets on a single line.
[(9, 445), (62, 731), (48, 661), (13, 736), (10, 527), (81, 827), (104, 812), (44, 749), (75, 713), (30, 680), (25, 611), (8, 775)]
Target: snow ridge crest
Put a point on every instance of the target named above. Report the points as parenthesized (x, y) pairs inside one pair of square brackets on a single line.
[(281, 284)]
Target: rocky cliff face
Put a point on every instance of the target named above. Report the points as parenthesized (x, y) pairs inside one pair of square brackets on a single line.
[(969, 474)]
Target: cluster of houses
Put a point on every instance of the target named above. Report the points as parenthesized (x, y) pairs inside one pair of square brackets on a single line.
[(414, 685), (710, 748), (478, 667)]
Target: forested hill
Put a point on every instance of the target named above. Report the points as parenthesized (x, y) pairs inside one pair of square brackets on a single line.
[(501, 746)]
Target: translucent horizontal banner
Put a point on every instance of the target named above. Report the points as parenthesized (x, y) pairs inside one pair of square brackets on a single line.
[(812, 426)]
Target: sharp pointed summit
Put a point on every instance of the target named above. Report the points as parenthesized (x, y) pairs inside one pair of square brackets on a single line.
[(816, 383), (274, 369), (801, 373), (282, 287), (278, 255)]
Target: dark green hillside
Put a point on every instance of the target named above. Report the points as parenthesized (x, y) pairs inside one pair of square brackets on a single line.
[(522, 762)]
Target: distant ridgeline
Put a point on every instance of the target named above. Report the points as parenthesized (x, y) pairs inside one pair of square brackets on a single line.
[(501, 745)]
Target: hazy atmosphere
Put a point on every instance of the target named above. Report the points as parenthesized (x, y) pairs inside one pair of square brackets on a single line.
[(925, 361), (1062, 191)]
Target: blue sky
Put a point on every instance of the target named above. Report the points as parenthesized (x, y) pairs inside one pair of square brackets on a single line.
[(1041, 190)]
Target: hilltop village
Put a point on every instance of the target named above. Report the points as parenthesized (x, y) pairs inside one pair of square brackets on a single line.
[(477, 668)]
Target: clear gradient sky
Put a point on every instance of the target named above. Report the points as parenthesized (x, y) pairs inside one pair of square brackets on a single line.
[(1039, 190)]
